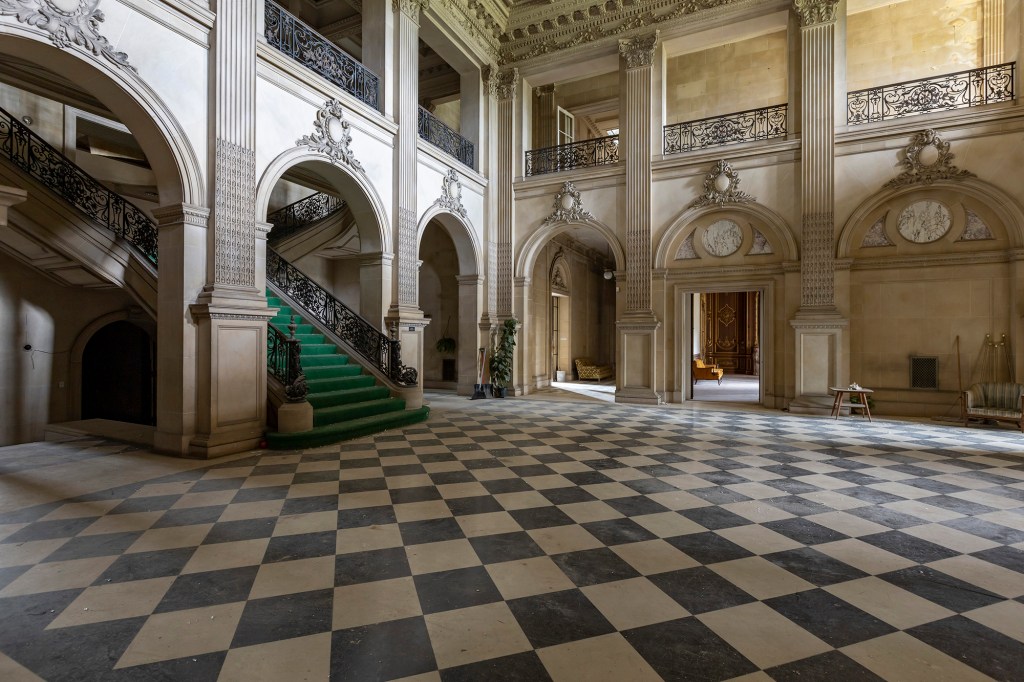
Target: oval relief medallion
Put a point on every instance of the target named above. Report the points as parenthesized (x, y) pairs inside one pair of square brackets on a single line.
[(925, 221), (723, 238)]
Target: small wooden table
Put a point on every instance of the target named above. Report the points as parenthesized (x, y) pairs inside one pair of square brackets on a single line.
[(839, 403)]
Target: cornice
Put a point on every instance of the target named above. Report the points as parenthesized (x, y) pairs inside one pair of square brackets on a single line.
[(929, 261), (480, 20)]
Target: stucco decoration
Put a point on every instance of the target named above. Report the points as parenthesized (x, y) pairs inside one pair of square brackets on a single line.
[(558, 281), (926, 159), (451, 194), (568, 206), (722, 238), (976, 230), (234, 215), (638, 51), (331, 135), (761, 245), (721, 186), (410, 7), (876, 236), (817, 267), (812, 12), (923, 222), (686, 250), (502, 84), (69, 22)]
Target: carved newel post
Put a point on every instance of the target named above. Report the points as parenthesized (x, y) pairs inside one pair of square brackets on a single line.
[(822, 354), (638, 326)]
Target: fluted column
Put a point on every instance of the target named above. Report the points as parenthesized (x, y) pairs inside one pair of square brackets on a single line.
[(504, 87), (545, 120), (993, 25), (637, 369), (822, 356)]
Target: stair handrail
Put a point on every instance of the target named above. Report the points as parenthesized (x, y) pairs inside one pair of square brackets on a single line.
[(299, 214), (367, 341), (284, 361), (46, 164)]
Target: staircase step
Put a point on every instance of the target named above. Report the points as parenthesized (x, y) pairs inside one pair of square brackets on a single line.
[(331, 371), (347, 396), (365, 426), (319, 349), (325, 360), (333, 384), (325, 416), (312, 338)]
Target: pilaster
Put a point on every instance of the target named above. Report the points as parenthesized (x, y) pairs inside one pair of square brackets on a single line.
[(993, 26), (545, 119), (471, 289), (504, 85)]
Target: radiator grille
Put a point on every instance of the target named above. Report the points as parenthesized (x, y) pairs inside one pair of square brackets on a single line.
[(924, 372)]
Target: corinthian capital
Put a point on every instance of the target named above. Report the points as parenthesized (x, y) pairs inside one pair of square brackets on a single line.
[(410, 7), (813, 12), (638, 51), (502, 84)]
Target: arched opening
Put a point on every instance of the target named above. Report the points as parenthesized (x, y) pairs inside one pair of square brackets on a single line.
[(118, 375)]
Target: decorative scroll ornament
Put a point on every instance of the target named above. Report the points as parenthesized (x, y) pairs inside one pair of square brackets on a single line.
[(451, 194), (926, 159), (568, 206), (331, 135), (69, 22), (638, 51), (721, 186), (502, 84), (815, 11)]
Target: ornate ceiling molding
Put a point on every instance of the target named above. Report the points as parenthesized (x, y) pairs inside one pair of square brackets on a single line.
[(451, 194), (638, 52), (568, 206), (926, 159), (331, 135), (813, 12), (481, 20), (721, 186), (67, 25)]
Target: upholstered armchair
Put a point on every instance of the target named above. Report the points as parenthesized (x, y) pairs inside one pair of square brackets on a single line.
[(998, 400), (705, 371)]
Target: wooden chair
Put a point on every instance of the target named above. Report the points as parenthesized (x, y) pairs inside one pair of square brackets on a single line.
[(705, 371)]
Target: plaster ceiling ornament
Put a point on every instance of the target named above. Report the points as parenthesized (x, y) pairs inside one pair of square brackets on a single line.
[(976, 229), (926, 159), (638, 51), (451, 194), (876, 236), (923, 222), (331, 135), (69, 22), (761, 245), (721, 186), (722, 238), (813, 12), (568, 206), (686, 250)]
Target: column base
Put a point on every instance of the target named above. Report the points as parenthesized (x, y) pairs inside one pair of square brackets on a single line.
[(294, 417), (636, 372), (225, 441), (812, 404)]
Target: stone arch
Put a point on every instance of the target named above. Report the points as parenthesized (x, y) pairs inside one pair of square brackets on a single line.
[(372, 220), (535, 242), (173, 160), (778, 233), (1001, 204), (462, 234)]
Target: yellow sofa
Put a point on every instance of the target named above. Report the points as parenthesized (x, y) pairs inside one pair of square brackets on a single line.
[(701, 370), (586, 369)]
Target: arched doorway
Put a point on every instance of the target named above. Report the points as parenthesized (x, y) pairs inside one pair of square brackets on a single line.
[(118, 375)]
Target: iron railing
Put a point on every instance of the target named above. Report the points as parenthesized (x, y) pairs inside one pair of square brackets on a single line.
[(743, 126), (295, 216), (958, 90), (600, 151), (437, 133), (303, 44), (371, 344), (48, 165), (284, 361)]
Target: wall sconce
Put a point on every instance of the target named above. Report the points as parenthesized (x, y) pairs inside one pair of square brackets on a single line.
[(608, 274)]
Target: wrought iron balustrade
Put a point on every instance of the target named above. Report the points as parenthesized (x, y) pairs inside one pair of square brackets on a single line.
[(716, 131), (303, 44), (370, 343), (958, 90), (295, 216), (284, 362), (38, 158), (437, 133), (600, 151)]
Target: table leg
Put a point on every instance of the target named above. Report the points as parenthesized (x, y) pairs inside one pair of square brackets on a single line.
[(837, 405), (867, 408)]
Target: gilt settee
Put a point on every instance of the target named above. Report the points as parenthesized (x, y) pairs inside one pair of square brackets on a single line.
[(702, 370), (587, 369), (1003, 401)]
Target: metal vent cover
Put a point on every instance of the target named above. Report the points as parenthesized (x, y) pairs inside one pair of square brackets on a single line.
[(924, 372)]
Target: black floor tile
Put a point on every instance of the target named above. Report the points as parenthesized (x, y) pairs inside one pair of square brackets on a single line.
[(886, 517), (365, 654), (944, 590), (955, 504), (431, 530), (216, 484), (457, 589), (594, 566), (73, 654), (285, 617), (567, 495), (48, 530), (189, 517), (829, 618), (309, 505), (146, 565), (986, 529), (618, 531), (909, 547), (558, 617), (831, 665), (700, 589), (315, 477), (199, 668), (686, 650), (815, 567), (649, 486), (300, 546), (541, 517), (195, 590), (515, 668), (506, 485), (366, 516), (362, 485), (708, 548), (805, 531), (421, 494), (145, 504), (86, 546), (636, 505), (483, 504), (262, 494), (364, 567), (449, 477), (982, 648), (505, 547), (1007, 557), (233, 531), (796, 505)]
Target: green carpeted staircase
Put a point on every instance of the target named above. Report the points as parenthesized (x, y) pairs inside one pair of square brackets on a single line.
[(347, 403)]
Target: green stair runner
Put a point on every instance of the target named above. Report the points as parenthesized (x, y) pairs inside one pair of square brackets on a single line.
[(347, 403)]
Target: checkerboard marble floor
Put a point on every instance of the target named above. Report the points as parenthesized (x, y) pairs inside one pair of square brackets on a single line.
[(532, 540)]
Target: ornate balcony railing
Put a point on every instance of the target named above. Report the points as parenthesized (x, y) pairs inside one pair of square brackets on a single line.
[(38, 158), (295, 216), (373, 346), (952, 91), (284, 361), (744, 126), (303, 44), (600, 151), (434, 131)]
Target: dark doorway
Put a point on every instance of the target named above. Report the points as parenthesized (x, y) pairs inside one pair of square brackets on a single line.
[(117, 375)]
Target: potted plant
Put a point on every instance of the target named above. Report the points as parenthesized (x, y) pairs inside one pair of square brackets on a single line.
[(501, 358), (446, 345)]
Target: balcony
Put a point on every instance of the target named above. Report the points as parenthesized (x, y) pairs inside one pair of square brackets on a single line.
[(447, 140), (303, 44), (943, 93), (600, 151), (744, 126)]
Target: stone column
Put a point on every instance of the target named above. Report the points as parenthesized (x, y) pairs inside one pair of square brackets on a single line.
[(379, 53), (231, 311), (404, 316), (375, 274), (545, 119), (822, 357), (505, 84), (637, 370), (993, 25)]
